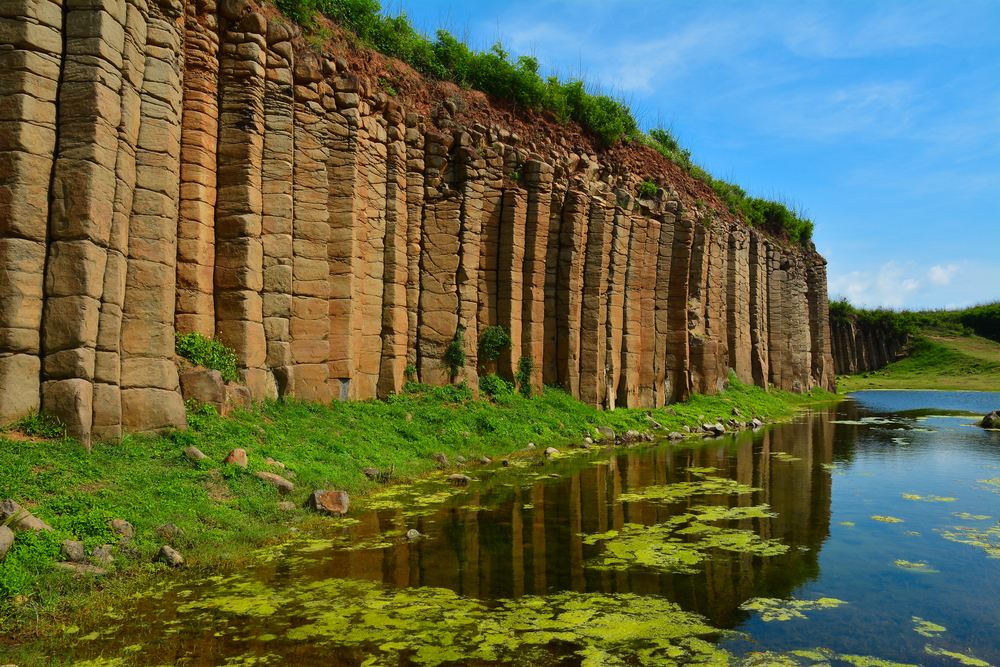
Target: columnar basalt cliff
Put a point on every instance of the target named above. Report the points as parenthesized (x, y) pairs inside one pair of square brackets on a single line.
[(176, 166), (861, 347)]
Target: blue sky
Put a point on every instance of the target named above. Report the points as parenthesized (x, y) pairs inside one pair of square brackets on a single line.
[(880, 119)]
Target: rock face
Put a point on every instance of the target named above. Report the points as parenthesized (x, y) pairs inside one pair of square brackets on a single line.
[(992, 420), (862, 347), (167, 166), (334, 503)]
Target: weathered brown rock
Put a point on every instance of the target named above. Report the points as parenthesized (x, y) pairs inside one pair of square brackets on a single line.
[(204, 386), (237, 457), (19, 519), (277, 481), (333, 503), (169, 556), (6, 540)]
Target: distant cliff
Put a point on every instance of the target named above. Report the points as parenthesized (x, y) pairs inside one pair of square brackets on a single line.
[(181, 167), (861, 347)]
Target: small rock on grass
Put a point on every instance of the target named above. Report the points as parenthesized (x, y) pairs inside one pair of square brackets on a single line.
[(588, 441), (485, 460), (121, 528), (371, 473), (674, 435), (168, 530), (551, 452), (442, 459), (287, 506), (19, 518), (6, 540), (607, 432), (274, 464), (277, 481), (169, 556), (102, 555), (81, 568), (194, 454), (73, 551), (237, 457), (459, 479), (332, 503), (531, 445)]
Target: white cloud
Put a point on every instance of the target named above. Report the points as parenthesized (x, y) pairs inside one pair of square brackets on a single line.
[(888, 287), (942, 275)]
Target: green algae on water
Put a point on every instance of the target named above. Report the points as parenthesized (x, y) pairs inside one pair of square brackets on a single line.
[(926, 628), (963, 658), (919, 567), (776, 609), (887, 519), (929, 499), (987, 539), (968, 517)]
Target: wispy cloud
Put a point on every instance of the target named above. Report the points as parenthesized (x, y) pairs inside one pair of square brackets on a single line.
[(942, 275)]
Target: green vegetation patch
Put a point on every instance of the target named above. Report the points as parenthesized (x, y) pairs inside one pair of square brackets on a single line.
[(886, 519), (774, 609), (929, 499), (963, 658), (987, 539), (209, 353), (926, 628)]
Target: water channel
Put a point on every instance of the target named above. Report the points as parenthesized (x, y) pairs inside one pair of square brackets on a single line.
[(864, 533)]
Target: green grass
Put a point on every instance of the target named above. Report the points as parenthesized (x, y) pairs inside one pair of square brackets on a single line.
[(226, 511), (936, 360)]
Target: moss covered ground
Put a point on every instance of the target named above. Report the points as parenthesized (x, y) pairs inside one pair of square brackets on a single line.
[(936, 360), (226, 511)]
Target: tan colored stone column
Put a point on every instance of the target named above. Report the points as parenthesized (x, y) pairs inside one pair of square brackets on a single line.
[(550, 353), (615, 325), (538, 175), (150, 392), (342, 249), (309, 320), (594, 315), (414, 214), (278, 204), (489, 247), (647, 316), (31, 49), (823, 371), (195, 310), (631, 342), (665, 252), (82, 208), (678, 383), (759, 355), (107, 418), (738, 305), (470, 172), (239, 252), (439, 262), (394, 315), (510, 276), (569, 299)]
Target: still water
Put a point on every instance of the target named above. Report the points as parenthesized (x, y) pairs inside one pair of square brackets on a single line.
[(861, 534)]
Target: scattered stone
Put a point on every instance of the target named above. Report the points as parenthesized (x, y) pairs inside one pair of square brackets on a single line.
[(277, 481), (606, 431), (530, 445), (6, 540), (671, 412), (82, 568), (19, 519), (331, 503), (169, 556), (716, 428), (736, 412), (169, 531), (991, 420), (204, 386), (262, 434), (371, 473), (756, 423), (102, 555), (73, 551), (460, 460), (121, 528), (653, 423), (194, 454), (631, 436), (554, 474), (551, 452), (587, 446), (409, 417), (238, 397), (412, 534), (485, 460), (286, 506), (237, 457), (687, 429), (588, 441), (459, 479), (274, 464), (442, 459), (674, 435)]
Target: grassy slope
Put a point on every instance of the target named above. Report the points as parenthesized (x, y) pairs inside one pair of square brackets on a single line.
[(226, 511), (937, 360)]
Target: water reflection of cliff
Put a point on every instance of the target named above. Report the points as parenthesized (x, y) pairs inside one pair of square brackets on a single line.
[(507, 549)]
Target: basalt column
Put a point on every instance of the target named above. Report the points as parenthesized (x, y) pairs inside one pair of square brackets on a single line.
[(738, 305), (195, 309), (107, 371), (82, 196), (594, 307), (539, 177), (489, 247), (150, 394), (631, 346), (470, 172), (278, 203), (569, 294), (439, 264), (309, 321), (239, 253), (342, 249), (414, 212), (394, 316), (677, 386), (758, 274), (662, 380), (510, 277), (647, 316), (703, 350), (777, 279), (550, 354), (30, 52), (819, 325), (615, 323)]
